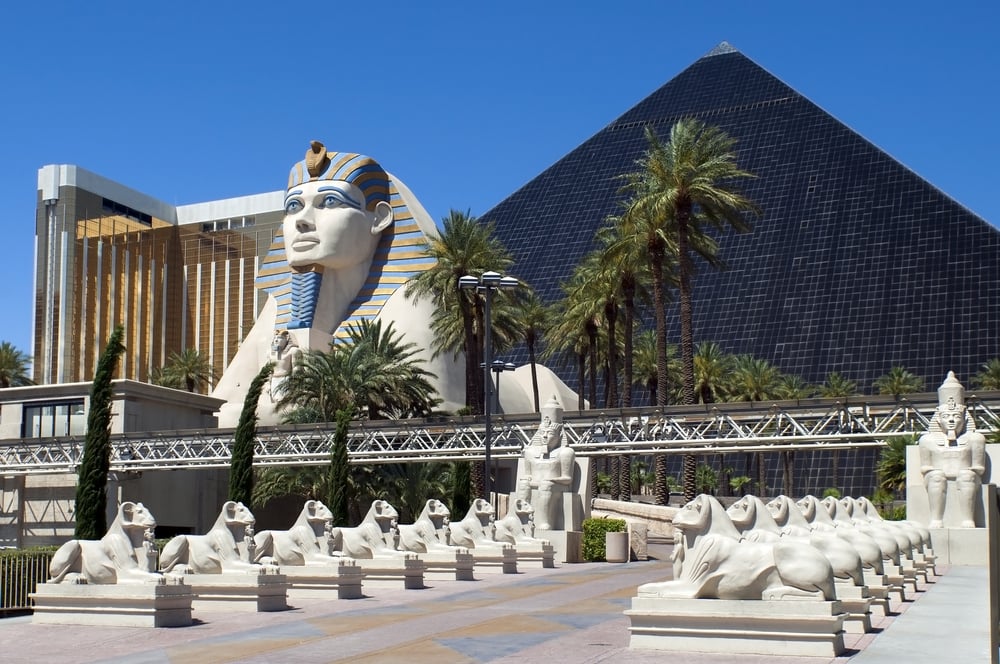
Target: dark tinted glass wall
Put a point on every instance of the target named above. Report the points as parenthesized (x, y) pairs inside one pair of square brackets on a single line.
[(856, 265)]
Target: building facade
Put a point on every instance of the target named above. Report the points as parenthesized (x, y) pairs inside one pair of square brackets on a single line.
[(176, 277)]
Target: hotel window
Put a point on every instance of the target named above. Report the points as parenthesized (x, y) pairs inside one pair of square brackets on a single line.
[(64, 418)]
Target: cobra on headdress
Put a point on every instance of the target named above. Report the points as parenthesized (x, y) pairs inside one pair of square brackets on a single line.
[(360, 170)]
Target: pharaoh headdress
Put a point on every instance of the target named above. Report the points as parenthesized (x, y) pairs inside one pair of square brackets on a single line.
[(398, 257)]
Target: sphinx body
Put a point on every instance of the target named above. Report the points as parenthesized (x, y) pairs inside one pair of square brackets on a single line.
[(218, 550), (373, 538), (111, 559), (517, 527), (714, 563), (429, 532), (751, 516), (816, 513), (476, 528), (307, 542)]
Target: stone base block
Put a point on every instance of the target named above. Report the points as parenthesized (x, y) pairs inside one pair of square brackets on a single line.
[(536, 552), (323, 580), (124, 605), (857, 604), (568, 544), (254, 590), (407, 568), (499, 558), (457, 564), (737, 627), (960, 546)]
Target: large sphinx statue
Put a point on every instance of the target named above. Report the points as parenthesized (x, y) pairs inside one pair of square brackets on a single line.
[(952, 452), (352, 236)]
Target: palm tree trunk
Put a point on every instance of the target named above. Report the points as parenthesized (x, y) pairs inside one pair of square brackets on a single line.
[(581, 361), (592, 335), (687, 337), (761, 474), (611, 388), (625, 476), (788, 472), (616, 490), (479, 479), (471, 365), (628, 288), (660, 491), (534, 371)]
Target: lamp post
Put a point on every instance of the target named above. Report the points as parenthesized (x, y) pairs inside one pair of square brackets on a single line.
[(487, 284), (498, 367)]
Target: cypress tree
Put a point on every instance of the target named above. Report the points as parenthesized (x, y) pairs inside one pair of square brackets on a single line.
[(461, 490), (91, 486), (241, 464), (338, 499)]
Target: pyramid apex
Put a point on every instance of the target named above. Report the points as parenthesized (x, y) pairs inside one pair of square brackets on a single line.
[(723, 48)]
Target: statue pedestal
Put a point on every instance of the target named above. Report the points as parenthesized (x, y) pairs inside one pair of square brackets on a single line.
[(407, 568), (961, 546), (857, 604), (253, 590), (344, 577), (502, 558), (737, 627), (537, 551), (122, 605), (457, 563), (568, 544)]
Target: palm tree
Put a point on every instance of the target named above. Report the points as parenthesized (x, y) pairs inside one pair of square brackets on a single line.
[(13, 366), (373, 373), (188, 369), (464, 247), (891, 467), (712, 369), (534, 317), (987, 379), (897, 382), (680, 187), (793, 387), (576, 316), (410, 485), (837, 385), (754, 379)]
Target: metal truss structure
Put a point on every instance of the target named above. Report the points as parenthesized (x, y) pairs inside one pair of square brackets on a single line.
[(726, 427)]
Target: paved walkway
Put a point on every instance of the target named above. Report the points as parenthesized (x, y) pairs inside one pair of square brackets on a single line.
[(569, 614)]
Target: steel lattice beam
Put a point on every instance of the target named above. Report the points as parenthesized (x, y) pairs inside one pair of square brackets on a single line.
[(809, 424)]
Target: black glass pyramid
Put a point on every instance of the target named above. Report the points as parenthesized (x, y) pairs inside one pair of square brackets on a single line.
[(856, 265)]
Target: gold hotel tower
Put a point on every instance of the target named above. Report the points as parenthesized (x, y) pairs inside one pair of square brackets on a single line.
[(176, 277)]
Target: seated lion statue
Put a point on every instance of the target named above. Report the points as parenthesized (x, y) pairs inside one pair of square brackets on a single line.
[(374, 537), (111, 559), (477, 528), (518, 525), (429, 531), (307, 542), (713, 563), (216, 551)]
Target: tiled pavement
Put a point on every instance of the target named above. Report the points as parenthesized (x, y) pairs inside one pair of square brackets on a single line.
[(570, 614)]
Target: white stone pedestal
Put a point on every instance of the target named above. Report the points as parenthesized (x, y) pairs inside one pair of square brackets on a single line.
[(457, 564), (408, 568), (502, 557), (857, 604), (322, 580), (568, 544), (961, 546), (536, 552), (737, 627), (122, 605), (254, 590)]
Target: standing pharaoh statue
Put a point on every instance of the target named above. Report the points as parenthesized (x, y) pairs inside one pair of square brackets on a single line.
[(548, 467), (952, 452)]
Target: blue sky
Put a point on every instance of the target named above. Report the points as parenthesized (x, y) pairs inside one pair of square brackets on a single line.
[(465, 102)]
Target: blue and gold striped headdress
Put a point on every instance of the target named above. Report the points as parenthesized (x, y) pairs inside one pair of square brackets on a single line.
[(399, 256)]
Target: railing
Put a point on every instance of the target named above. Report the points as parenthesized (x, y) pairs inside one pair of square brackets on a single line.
[(20, 572), (726, 427)]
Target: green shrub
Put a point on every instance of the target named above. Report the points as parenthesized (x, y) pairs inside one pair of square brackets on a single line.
[(832, 491), (593, 536)]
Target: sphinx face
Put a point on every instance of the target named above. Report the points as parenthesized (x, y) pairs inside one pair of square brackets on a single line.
[(326, 224)]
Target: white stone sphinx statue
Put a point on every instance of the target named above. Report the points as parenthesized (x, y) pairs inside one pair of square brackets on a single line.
[(517, 528), (224, 548), (113, 559), (374, 537), (752, 518), (475, 532), (548, 476), (352, 237), (712, 563), (952, 453), (427, 536), (429, 532), (308, 542)]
